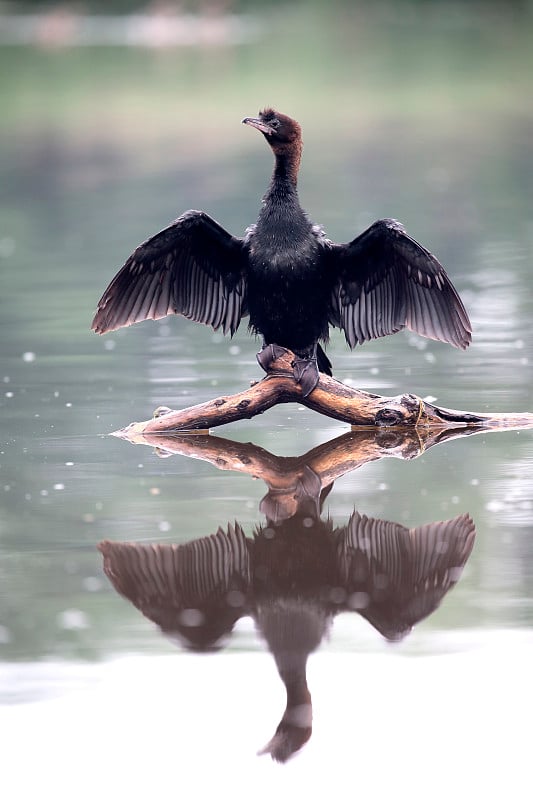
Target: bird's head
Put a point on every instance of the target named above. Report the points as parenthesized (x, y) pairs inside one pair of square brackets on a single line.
[(281, 132)]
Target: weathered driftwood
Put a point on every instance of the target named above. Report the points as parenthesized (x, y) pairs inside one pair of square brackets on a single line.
[(331, 398), (329, 461)]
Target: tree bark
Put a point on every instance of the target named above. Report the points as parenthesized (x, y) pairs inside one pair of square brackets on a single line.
[(329, 461), (330, 397)]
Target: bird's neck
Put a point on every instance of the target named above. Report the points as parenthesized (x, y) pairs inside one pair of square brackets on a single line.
[(287, 165), (282, 191)]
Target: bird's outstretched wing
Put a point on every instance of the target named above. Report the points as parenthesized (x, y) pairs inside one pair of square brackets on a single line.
[(194, 268), (385, 281)]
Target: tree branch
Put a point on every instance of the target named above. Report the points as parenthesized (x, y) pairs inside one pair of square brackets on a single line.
[(330, 397)]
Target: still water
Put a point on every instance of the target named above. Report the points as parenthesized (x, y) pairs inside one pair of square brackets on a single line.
[(259, 544)]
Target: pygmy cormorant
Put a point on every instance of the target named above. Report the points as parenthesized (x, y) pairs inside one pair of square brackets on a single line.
[(286, 275)]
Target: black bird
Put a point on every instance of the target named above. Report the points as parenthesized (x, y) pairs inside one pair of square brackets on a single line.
[(286, 276)]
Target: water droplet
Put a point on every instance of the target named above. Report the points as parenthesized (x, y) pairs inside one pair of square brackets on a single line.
[(72, 619), (235, 599), (191, 617), (358, 600), (5, 635), (337, 595), (7, 246), (92, 583)]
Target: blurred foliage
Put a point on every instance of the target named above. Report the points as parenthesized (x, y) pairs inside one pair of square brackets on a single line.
[(195, 6), (367, 61)]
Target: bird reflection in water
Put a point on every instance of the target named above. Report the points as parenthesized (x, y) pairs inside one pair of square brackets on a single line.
[(297, 571)]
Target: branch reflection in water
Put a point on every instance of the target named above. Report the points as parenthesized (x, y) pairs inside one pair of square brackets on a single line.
[(298, 570)]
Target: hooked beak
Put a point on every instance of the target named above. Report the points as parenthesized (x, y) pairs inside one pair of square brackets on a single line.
[(254, 122)]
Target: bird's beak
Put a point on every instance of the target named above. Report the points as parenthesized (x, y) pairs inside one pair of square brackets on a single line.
[(259, 124)]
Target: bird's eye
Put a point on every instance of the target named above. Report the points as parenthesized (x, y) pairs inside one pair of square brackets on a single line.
[(274, 123)]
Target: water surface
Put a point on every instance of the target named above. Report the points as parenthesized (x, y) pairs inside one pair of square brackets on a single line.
[(88, 685)]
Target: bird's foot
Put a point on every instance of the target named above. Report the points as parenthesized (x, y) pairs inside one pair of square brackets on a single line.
[(306, 374), (304, 366), (268, 354)]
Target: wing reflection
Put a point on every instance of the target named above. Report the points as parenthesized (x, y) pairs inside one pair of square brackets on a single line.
[(296, 572), (194, 592)]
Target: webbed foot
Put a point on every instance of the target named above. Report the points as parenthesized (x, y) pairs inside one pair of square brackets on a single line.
[(306, 374), (305, 364), (268, 354)]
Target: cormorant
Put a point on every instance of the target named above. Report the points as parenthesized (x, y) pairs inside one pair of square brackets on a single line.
[(286, 275)]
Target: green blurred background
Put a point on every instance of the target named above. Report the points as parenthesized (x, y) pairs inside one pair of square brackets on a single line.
[(115, 118)]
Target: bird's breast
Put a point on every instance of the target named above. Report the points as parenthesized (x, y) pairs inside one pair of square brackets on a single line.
[(288, 291), (283, 250)]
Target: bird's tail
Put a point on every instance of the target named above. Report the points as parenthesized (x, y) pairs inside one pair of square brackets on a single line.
[(324, 364)]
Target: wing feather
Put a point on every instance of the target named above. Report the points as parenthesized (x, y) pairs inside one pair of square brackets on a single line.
[(193, 267), (402, 573), (184, 575), (387, 281)]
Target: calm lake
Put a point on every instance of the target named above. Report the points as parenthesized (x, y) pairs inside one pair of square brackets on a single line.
[(102, 147)]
